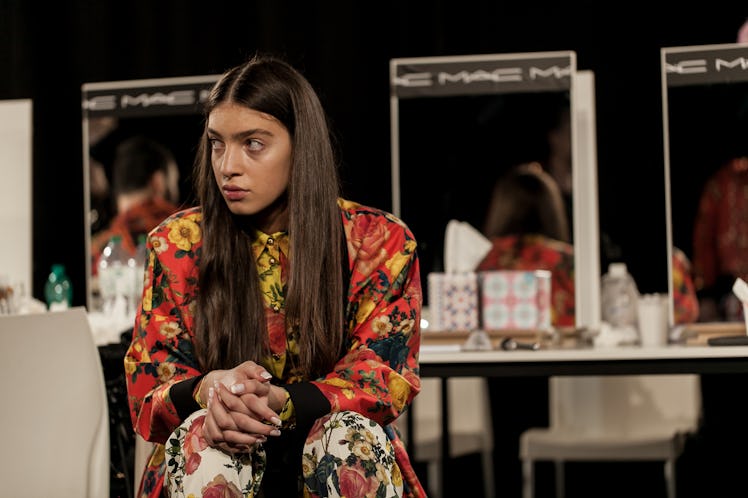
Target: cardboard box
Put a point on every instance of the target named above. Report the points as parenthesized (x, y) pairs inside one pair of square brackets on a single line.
[(514, 299), (453, 301)]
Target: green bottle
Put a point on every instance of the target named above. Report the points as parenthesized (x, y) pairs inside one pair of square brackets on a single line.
[(58, 291)]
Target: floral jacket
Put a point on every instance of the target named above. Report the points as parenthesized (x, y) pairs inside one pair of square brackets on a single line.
[(139, 219), (720, 230), (378, 376)]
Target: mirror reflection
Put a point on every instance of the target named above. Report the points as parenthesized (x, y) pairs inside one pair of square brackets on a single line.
[(465, 144), (705, 95), (140, 138), (461, 124)]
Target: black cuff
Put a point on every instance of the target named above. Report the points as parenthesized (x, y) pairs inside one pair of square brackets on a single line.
[(182, 398), (309, 404)]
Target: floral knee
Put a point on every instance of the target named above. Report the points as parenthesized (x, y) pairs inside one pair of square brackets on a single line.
[(347, 454)]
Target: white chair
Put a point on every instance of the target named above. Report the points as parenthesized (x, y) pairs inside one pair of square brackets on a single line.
[(55, 422), (470, 429), (617, 418)]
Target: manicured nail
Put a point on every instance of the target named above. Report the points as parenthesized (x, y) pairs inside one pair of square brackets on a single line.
[(275, 432), (237, 388), (266, 375), (276, 421)]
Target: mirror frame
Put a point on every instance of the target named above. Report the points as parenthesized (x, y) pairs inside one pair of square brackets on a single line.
[(143, 98), (511, 73), (691, 66)]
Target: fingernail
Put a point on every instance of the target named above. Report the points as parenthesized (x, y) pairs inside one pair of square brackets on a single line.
[(266, 375), (276, 421), (210, 395), (237, 388), (275, 432)]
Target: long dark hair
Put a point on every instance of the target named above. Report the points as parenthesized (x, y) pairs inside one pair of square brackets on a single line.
[(527, 200), (230, 323)]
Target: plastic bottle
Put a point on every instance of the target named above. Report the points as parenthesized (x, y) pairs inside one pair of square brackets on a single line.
[(620, 298), (116, 280), (58, 291)]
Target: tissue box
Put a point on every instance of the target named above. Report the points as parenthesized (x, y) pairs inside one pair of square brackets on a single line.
[(453, 301), (513, 299)]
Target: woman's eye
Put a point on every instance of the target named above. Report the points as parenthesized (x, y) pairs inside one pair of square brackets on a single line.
[(254, 144), (215, 144)]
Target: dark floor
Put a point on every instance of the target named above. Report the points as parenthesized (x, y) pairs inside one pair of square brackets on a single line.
[(706, 469), (714, 463), (583, 480)]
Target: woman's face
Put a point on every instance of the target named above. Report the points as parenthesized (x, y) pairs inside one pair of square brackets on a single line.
[(251, 159)]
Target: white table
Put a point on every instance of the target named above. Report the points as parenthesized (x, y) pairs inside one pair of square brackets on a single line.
[(589, 361)]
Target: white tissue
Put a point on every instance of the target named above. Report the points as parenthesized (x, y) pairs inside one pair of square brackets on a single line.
[(740, 289), (464, 247)]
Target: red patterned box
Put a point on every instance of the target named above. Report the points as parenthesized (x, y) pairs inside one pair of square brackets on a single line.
[(516, 299), (453, 301)]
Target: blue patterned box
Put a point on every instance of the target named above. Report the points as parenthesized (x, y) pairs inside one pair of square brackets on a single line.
[(453, 301), (514, 299)]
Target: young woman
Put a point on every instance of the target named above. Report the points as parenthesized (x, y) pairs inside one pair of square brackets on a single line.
[(527, 224), (278, 337)]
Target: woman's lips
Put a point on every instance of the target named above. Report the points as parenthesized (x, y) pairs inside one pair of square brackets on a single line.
[(234, 193)]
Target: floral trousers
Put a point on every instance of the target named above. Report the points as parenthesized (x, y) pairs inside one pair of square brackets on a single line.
[(345, 455)]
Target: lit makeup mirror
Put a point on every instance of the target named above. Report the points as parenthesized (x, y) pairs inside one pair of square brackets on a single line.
[(459, 122), (705, 135), (165, 110)]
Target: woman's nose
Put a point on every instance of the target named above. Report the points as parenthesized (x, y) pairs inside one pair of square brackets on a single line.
[(229, 165)]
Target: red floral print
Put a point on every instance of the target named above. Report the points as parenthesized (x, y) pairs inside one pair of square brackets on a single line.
[(385, 282)]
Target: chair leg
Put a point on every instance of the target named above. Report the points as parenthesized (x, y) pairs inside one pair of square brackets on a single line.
[(528, 479), (487, 461), (670, 477), (560, 479), (434, 473)]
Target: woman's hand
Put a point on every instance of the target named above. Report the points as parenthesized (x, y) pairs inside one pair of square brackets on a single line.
[(245, 371), (239, 415)]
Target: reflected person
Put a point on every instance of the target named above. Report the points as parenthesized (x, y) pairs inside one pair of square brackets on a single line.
[(527, 225), (145, 185), (720, 241)]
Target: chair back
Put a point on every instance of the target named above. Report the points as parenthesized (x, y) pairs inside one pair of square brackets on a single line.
[(55, 422), (625, 405)]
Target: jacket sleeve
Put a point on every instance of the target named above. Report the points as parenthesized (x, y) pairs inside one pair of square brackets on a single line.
[(161, 354), (705, 236), (378, 375)]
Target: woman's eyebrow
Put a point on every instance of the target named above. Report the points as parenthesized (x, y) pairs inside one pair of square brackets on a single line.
[(243, 134)]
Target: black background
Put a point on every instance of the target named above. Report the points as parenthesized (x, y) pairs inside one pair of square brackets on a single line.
[(344, 48), (49, 49)]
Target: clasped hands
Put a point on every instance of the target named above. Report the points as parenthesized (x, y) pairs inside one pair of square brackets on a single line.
[(240, 405)]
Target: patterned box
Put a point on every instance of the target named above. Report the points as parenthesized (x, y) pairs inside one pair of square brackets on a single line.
[(516, 299), (453, 301)]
